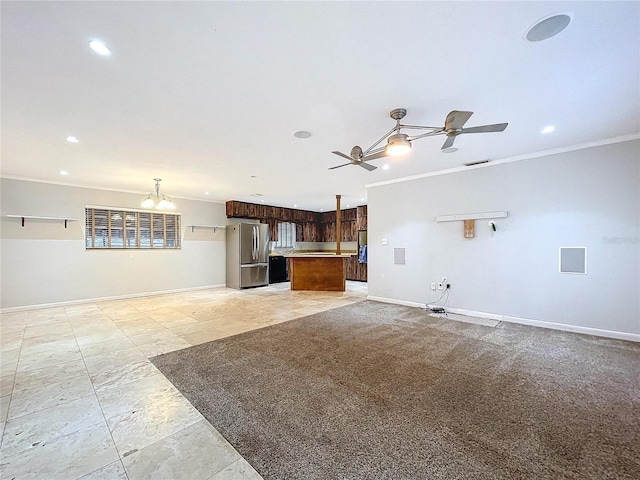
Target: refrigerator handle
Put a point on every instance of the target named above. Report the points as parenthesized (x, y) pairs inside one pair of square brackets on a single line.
[(255, 243)]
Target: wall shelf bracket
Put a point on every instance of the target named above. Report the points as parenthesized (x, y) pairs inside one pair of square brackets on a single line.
[(37, 217), (214, 227)]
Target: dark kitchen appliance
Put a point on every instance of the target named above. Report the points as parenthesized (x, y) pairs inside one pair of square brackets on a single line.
[(278, 269)]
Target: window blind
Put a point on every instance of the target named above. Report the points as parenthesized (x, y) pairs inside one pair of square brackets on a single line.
[(109, 228), (286, 235)]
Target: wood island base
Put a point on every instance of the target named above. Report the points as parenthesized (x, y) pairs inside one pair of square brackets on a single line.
[(318, 273)]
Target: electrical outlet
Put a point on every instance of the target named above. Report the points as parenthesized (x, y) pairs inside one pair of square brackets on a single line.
[(433, 285), (440, 286)]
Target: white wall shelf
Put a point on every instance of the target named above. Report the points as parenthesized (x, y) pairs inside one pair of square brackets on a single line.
[(471, 216), (37, 217), (214, 227)]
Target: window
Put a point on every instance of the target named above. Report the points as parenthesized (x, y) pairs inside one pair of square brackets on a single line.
[(286, 235), (113, 228)]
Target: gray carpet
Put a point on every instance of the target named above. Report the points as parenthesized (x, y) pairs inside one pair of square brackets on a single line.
[(379, 391)]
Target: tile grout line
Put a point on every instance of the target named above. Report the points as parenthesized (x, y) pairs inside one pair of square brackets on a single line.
[(95, 393), (13, 386)]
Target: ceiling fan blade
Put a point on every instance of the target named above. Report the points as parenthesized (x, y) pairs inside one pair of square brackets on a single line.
[(366, 166), (340, 154), (456, 120), (381, 154), (497, 127), (343, 165), (448, 143)]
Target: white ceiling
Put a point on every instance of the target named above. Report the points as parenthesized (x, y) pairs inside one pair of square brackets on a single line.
[(206, 95)]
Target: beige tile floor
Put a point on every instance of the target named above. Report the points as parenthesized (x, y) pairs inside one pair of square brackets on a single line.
[(79, 397)]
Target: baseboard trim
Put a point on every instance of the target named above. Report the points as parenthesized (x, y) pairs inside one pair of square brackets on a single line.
[(397, 302), (473, 313), (106, 299), (632, 337)]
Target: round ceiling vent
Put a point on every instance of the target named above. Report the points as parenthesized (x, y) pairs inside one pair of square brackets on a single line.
[(548, 27)]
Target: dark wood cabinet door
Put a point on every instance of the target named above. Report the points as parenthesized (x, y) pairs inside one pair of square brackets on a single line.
[(362, 218), (356, 270)]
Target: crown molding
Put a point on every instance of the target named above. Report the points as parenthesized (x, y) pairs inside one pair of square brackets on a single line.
[(527, 156)]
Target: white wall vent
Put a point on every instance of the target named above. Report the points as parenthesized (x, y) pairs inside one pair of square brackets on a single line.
[(573, 260)]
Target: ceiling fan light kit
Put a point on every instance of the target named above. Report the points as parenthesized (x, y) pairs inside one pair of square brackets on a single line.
[(399, 143)]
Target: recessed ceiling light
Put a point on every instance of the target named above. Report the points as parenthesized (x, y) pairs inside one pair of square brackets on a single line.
[(295, 206), (72, 139), (548, 27), (548, 129), (362, 199), (64, 173), (449, 150), (322, 209), (206, 193), (385, 167), (100, 47), (302, 134)]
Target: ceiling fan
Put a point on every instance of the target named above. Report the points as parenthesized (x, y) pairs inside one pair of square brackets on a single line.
[(399, 143)]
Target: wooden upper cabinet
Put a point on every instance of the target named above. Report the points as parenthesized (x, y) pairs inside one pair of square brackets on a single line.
[(307, 232), (362, 218), (299, 216), (328, 232), (348, 231), (348, 214), (328, 217), (235, 209), (311, 226), (273, 228)]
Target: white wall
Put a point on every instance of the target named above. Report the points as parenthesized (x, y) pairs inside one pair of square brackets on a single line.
[(43, 263), (589, 197)]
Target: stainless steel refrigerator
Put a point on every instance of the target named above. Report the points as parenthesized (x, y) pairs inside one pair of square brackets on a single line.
[(247, 255)]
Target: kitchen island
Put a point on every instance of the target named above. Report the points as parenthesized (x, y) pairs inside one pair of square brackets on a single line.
[(318, 271)]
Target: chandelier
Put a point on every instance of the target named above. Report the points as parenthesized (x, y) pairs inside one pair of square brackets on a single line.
[(158, 201)]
